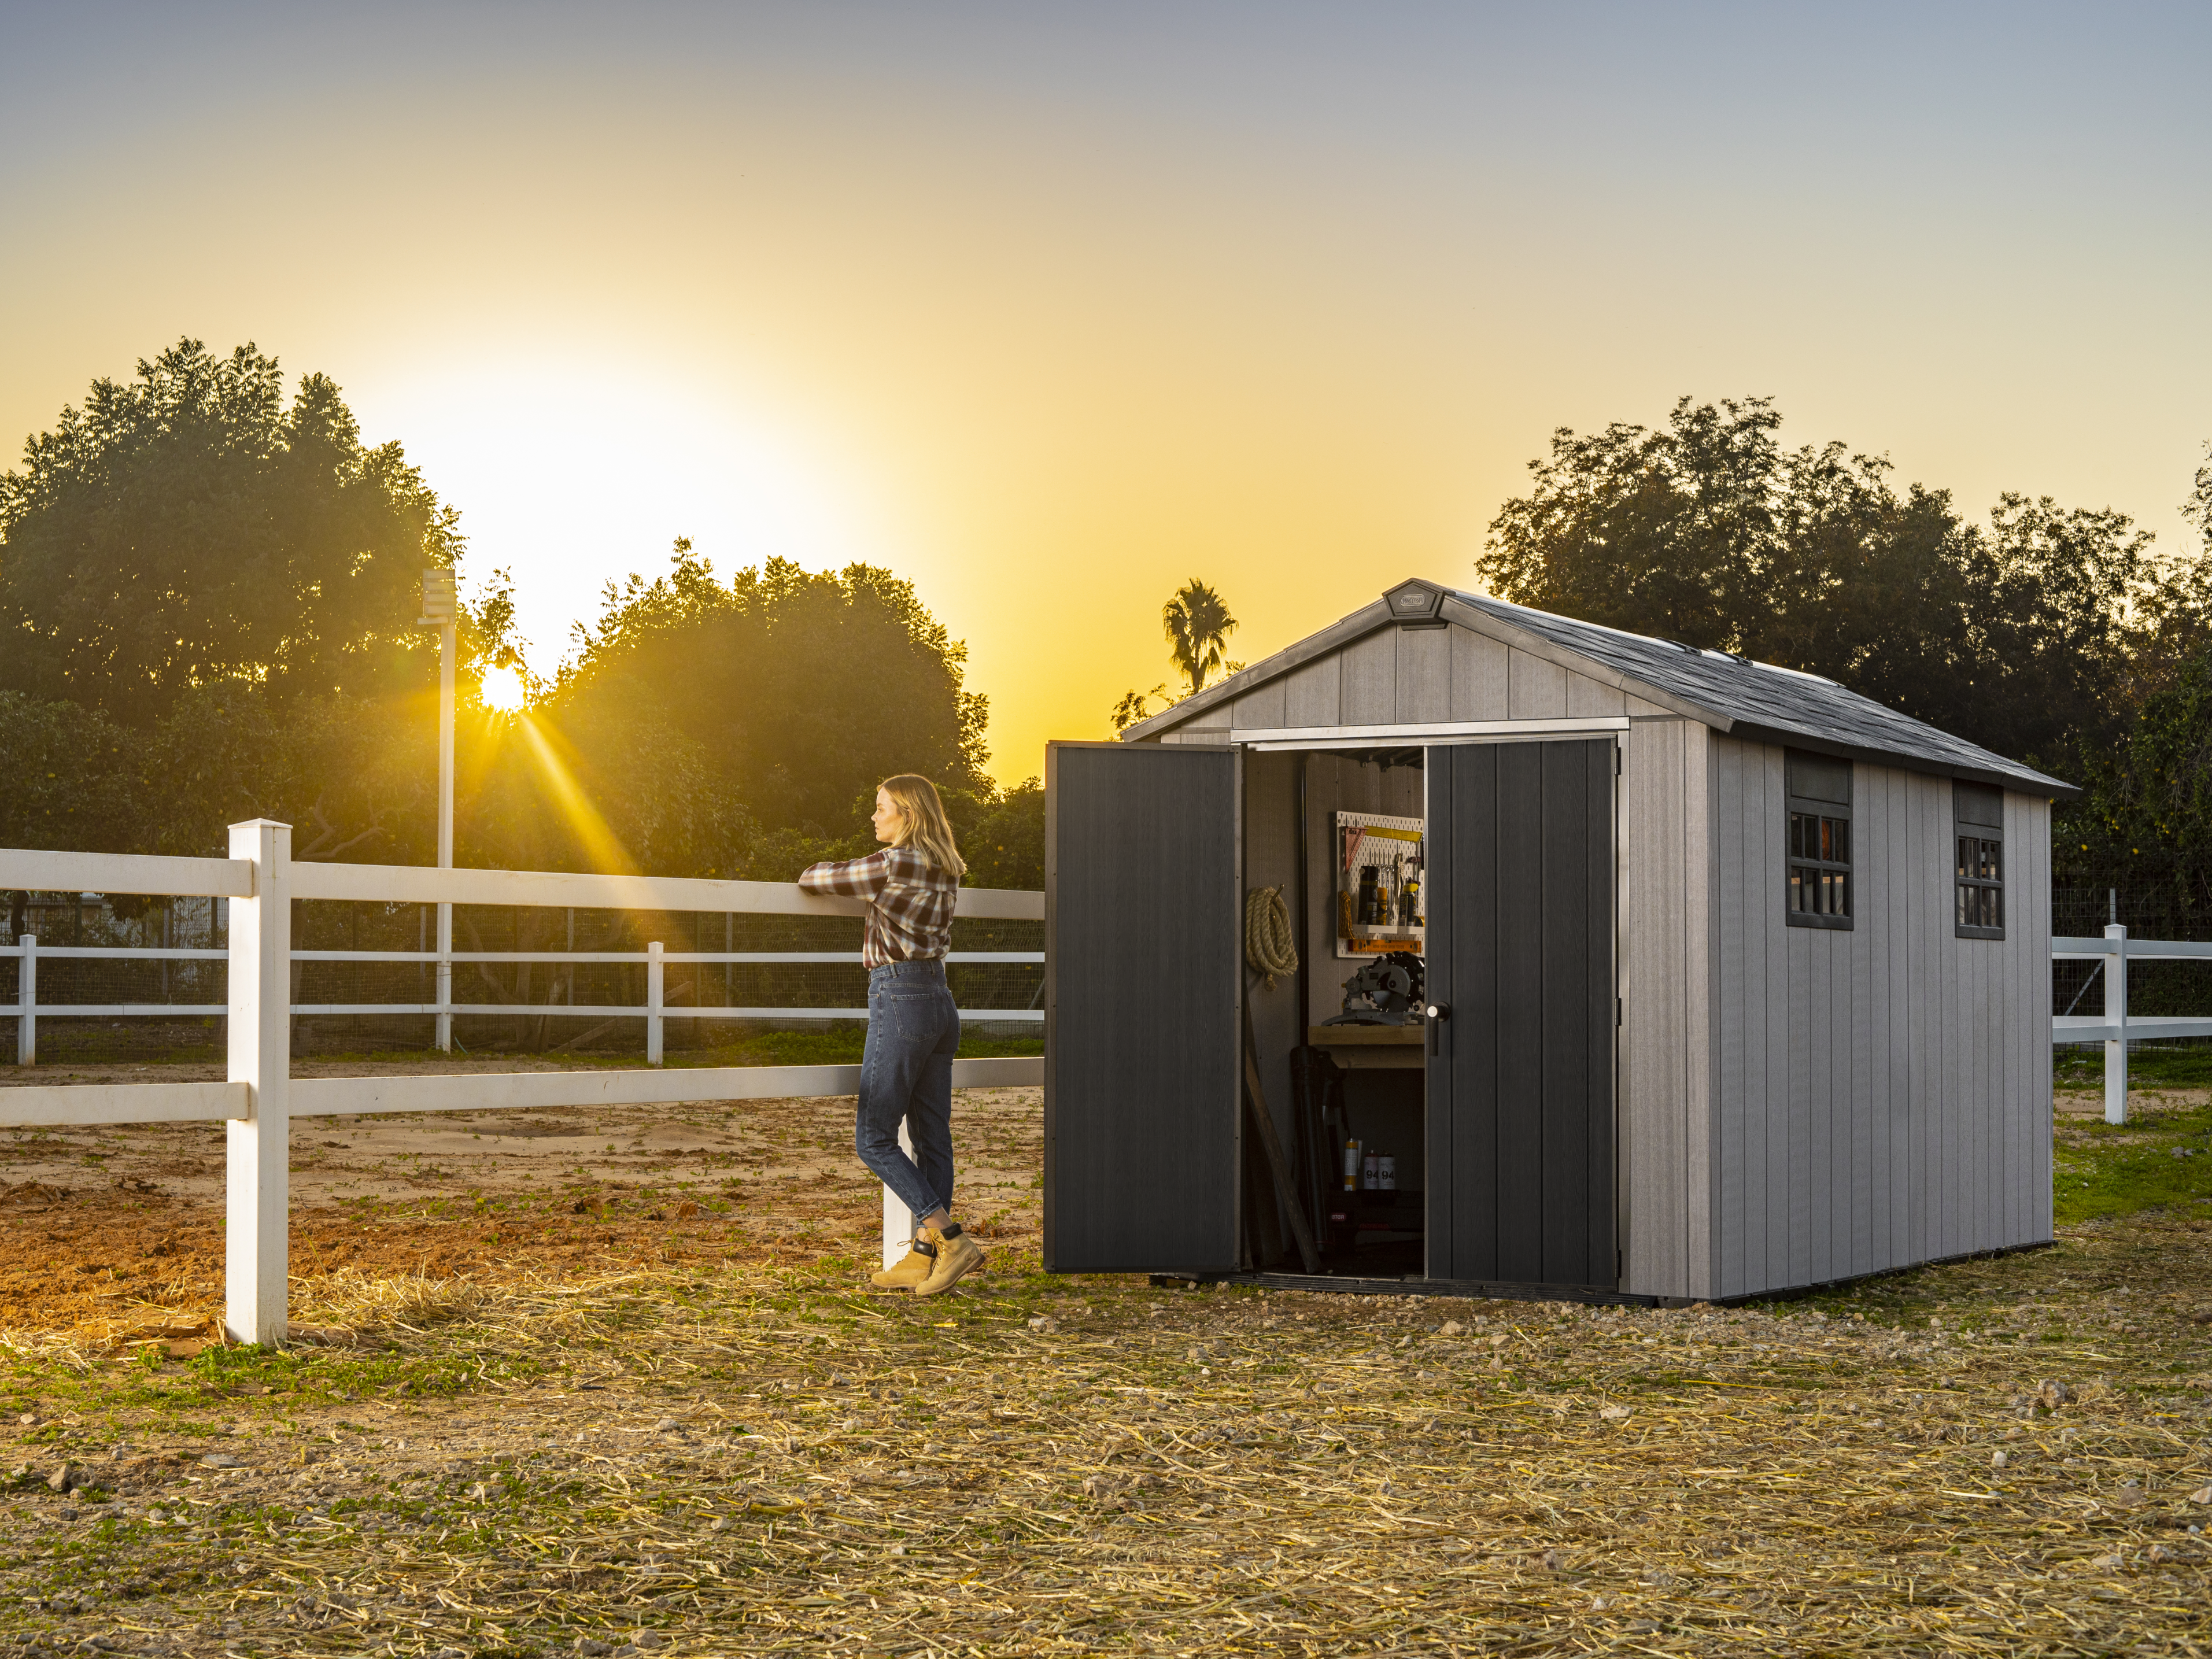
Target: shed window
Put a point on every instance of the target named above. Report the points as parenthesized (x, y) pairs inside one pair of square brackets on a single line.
[(1978, 823), (1819, 893)]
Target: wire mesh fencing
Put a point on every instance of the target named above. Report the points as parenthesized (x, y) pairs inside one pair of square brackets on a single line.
[(364, 958), (345, 950), (2155, 989)]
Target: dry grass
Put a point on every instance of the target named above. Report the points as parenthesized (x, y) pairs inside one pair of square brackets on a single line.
[(762, 1457)]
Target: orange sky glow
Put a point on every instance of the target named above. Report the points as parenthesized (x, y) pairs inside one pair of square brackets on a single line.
[(1050, 308)]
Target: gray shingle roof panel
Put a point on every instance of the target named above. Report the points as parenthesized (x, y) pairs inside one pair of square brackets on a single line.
[(1779, 701)]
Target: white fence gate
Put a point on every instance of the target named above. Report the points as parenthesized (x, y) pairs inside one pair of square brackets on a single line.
[(258, 1099)]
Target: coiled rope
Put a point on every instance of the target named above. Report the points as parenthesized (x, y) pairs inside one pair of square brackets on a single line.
[(1270, 948)]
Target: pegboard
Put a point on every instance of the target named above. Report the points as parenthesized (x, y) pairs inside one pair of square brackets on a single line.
[(1395, 848)]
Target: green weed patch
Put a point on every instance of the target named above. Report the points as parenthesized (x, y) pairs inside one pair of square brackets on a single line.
[(2161, 1159)]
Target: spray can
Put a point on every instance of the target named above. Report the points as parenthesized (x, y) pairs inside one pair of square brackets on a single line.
[(1352, 1166), (1372, 1173), (1387, 1173)]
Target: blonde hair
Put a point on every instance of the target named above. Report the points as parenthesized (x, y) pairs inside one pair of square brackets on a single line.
[(924, 826)]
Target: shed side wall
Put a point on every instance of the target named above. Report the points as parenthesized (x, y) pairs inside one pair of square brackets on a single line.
[(1666, 1139), (1882, 1095)]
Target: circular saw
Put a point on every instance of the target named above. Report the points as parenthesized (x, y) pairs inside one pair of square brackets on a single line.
[(1385, 991)]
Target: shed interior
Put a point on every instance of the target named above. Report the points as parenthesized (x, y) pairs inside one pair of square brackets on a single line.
[(1477, 1146), (1325, 1086)]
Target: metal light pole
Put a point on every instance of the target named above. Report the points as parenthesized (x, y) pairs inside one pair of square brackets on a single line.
[(441, 611)]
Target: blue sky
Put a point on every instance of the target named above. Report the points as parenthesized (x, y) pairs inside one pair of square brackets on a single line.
[(1050, 307)]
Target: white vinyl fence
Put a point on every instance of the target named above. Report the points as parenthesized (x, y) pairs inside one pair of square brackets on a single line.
[(2114, 1028), (259, 1098)]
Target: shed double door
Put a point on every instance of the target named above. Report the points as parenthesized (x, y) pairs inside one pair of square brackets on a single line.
[(1144, 937), (1143, 929), (1521, 1161)]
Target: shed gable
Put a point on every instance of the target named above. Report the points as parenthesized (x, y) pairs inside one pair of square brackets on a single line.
[(1374, 670), (1466, 658)]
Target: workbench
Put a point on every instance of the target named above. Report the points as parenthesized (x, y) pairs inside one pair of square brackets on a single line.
[(1398, 1048)]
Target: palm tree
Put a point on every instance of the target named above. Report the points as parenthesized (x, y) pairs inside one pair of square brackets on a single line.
[(1198, 625)]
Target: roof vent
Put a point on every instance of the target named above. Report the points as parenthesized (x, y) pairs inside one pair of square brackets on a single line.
[(1415, 601)]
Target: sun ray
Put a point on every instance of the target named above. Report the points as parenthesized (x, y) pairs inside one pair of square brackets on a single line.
[(601, 847)]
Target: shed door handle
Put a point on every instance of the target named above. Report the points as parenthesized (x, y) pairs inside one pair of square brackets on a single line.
[(1435, 1013)]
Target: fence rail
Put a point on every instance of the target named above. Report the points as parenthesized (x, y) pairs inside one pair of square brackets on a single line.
[(259, 1097), (2114, 1028), (29, 951)]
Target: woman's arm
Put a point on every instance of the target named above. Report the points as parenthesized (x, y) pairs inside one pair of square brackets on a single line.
[(863, 877)]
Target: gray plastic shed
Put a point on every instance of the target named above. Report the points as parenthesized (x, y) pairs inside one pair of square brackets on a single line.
[(1730, 980)]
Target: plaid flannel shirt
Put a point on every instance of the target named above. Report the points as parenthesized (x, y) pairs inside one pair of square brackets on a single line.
[(910, 903)]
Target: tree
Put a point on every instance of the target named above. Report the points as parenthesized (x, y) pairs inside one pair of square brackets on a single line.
[(1004, 841), (2028, 635), (604, 785), (208, 603), (186, 528), (2145, 819), (355, 779), (1136, 706), (1198, 625), (75, 780), (807, 691)]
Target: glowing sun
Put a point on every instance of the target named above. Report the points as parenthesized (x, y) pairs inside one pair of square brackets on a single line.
[(503, 691)]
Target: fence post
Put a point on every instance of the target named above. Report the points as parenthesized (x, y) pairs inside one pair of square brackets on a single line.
[(443, 1035), (898, 1221), (653, 1002), (27, 1001), (448, 650), (256, 1172), (2116, 1020)]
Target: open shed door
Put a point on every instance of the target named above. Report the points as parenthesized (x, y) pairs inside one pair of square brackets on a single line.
[(1521, 1069), (1143, 927)]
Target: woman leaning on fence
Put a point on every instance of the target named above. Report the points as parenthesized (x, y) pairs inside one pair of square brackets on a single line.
[(914, 1029)]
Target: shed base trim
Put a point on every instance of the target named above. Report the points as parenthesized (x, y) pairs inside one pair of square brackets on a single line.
[(1345, 1285)]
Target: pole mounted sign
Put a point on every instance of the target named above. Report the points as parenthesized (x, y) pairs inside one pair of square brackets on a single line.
[(441, 605)]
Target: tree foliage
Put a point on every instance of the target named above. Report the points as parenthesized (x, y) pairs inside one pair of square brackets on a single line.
[(1198, 626), (807, 689), (1197, 622), (1003, 839), (2144, 821), (2027, 634), (208, 600), (75, 778), (1134, 707), (186, 528)]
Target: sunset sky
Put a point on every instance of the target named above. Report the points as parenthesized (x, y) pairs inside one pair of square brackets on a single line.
[(1050, 307)]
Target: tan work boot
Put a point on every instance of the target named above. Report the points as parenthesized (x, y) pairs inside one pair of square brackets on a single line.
[(909, 1269), (956, 1257)]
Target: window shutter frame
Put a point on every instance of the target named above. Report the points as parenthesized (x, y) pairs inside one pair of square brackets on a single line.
[(1977, 817), (1817, 790)]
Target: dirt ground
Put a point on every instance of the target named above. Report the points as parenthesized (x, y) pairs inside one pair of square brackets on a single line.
[(116, 1232), (523, 1428), (2090, 1102)]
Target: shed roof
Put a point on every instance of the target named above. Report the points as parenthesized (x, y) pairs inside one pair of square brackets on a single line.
[(1755, 701)]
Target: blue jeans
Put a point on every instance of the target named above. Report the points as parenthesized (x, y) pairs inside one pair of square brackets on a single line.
[(906, 1075)]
